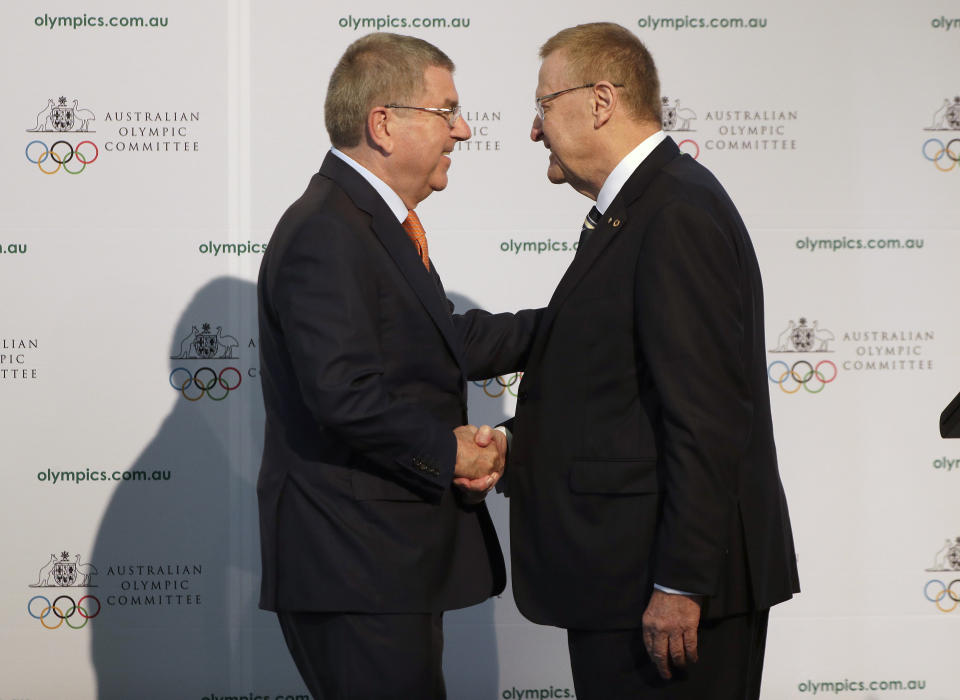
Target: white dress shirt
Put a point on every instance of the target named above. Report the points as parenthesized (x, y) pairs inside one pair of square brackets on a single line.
[(391, 198), (619, 175)]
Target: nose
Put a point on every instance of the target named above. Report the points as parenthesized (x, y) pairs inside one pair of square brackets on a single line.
[(536, 131), (461, 132)]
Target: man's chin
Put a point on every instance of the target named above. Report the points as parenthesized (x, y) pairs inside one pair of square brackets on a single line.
[(438, 178), (555, 174)]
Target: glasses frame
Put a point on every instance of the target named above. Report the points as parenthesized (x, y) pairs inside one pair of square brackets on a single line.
[(450, 114), (538, 102)]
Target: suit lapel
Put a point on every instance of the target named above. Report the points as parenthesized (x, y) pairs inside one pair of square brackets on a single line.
[(394, 239), (404, 254), (607, 228), (613, 221)]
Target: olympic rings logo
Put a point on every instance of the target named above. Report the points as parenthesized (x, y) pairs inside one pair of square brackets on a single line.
[(945, 151), (696, 145), (57, 611), (946, 591), (506, 383), (193, 387), (62, 157), (791, 380)]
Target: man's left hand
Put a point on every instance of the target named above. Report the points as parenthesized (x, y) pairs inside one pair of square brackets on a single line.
[(670, 630)]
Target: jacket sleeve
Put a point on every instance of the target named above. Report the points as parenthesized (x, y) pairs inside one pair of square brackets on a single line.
[(690, 334), (496, 344)]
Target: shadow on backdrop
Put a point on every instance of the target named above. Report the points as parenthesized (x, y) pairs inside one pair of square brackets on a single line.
[(178, 551), (178, 558)]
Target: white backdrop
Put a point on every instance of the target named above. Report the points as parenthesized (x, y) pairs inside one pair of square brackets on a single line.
[(177, 132)]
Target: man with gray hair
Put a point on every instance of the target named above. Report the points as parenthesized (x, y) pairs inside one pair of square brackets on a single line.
[(656, 531), (364, 541)]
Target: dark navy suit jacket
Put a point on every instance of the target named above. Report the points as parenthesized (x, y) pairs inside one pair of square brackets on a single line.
[(364, 371), (643, 446)]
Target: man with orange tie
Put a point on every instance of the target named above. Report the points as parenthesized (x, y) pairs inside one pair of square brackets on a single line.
[(364, 368)]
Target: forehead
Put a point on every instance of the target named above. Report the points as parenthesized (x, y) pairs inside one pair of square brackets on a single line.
[(438, 87), (552, 76)]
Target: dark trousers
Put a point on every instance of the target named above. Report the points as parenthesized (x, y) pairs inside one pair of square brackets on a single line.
[(352, 656), (614, 665)]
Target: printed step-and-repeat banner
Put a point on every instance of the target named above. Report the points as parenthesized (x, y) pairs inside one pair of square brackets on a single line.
[(150, 148)]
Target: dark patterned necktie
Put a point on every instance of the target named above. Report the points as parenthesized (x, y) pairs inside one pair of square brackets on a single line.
[(589, 224)]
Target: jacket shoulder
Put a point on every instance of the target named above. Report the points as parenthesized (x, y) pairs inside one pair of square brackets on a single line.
[(323, 199)]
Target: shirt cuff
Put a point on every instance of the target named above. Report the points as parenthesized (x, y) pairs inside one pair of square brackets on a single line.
[(503, 429), (671, 591)]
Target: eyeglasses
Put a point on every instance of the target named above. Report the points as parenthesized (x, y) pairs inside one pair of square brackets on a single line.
[(449, 114), (538, 103)]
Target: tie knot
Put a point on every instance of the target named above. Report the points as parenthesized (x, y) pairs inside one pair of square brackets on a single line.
[(593, 218), (589, 224), (412, 223)]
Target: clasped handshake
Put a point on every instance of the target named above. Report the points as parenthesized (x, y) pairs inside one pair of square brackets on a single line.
[(481, 453)]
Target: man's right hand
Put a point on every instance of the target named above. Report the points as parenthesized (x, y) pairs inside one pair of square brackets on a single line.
[(670, 625), (475, 463)]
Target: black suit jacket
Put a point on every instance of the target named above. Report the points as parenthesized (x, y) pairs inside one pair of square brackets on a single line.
[(364, 375), (643, 447)]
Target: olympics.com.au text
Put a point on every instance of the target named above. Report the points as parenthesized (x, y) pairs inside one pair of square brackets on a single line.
[(849, 686), (687, 22), (86, 21), (389, 22), (79, 476), (843, 243)]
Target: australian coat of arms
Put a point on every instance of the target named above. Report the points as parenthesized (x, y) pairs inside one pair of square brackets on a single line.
[(59, 116)]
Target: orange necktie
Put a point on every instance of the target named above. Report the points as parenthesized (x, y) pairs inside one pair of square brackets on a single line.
[(414, 229)]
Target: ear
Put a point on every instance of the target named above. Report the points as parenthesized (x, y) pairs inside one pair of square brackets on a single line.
[(605, 100), (380, 129)]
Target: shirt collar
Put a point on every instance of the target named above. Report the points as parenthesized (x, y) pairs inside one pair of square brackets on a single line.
[(620, 174), (391, 198)]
